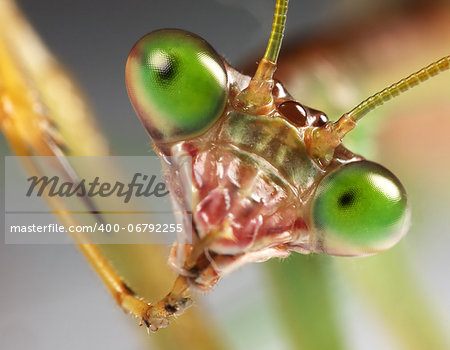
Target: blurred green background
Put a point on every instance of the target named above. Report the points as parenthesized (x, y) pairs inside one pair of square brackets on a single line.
[(400, 299)]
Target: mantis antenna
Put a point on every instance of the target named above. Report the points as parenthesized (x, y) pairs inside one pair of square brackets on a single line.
[(322, 141), (395, 89), (277, 33), (257, 97)]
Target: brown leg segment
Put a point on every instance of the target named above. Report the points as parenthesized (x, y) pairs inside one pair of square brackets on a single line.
[(154, 316)]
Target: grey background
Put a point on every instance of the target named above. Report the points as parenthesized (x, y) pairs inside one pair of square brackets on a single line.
[(50, 298)]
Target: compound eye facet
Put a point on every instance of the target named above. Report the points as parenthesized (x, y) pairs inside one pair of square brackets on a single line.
[(177, 84), (359, 209)]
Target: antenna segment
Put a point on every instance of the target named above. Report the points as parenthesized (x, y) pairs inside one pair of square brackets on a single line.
[(322, 141), (277, 33), (396, 89), (257, 98)]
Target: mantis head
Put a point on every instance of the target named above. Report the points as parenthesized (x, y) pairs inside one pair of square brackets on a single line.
[(181, 89)]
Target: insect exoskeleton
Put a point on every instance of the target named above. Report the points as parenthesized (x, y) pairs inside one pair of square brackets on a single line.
[(267, 174), (257, 192)]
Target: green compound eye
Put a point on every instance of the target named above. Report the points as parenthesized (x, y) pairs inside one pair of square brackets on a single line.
[(359, 209), (177, 84)]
